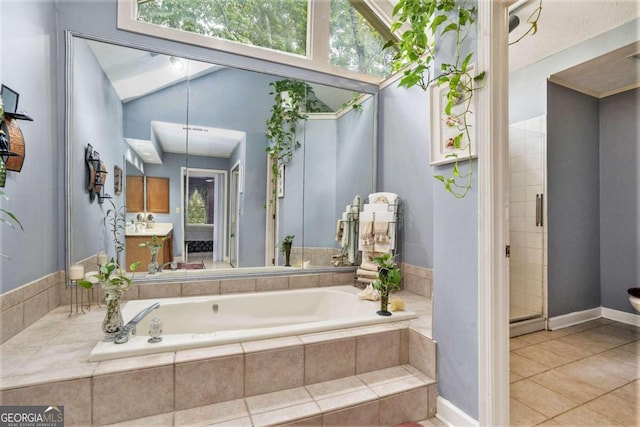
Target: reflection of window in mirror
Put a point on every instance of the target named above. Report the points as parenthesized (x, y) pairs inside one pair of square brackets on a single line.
[(200, 204)]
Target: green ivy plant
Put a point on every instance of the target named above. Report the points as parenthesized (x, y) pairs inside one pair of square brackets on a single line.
[(8, 218), (115, 219), (423, 24), (281, 126), (425, 21)]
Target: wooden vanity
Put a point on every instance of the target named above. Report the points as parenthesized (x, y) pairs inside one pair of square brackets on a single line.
[(135, 252)]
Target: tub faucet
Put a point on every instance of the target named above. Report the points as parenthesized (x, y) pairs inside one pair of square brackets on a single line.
[(160, 267), (123, 335)]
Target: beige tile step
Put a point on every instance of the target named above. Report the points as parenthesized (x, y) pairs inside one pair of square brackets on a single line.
[(384, 397)]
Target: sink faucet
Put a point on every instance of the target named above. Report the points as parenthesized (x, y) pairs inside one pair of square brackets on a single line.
[(123, 335)]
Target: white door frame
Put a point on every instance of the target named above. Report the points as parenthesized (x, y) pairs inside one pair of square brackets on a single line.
[(234, 202), (492, 120), (225, 200)]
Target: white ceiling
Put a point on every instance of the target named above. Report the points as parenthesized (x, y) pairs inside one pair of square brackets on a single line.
[(198, 140), (566, 23)]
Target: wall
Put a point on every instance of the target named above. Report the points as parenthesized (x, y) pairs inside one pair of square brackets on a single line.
[(528, 98), (97, 120), (573, 202), (440, 232), (619, 198), (29, 66)]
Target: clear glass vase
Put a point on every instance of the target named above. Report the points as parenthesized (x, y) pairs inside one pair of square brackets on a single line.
[(153, 263), (113, 321), (384, 304)]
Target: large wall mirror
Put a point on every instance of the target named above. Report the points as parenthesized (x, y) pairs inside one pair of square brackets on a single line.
[(183, 144)]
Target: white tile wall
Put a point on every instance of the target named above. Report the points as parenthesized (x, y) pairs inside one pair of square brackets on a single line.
[(527, 152)]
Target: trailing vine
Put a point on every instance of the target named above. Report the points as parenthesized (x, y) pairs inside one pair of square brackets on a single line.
[(423, 23), (289, 96)]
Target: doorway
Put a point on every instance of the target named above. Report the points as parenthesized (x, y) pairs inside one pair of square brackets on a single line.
[(204, 203), (234, 214), (528, 226)]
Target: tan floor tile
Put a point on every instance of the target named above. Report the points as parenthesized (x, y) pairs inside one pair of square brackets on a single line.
[(544, 357), (549, 423), (238, 422), (337, 387), (633, 347), (525, 367), (522, 415), (620, 355), (583, 416), (517, 343), (212, 414), (630, 392), (278, 400), (285, 415), (589, 372), (513, 377), (588, 340), (538, 337), (541, 399), (623, 411), (567, 386), (162, 420), (431, 422), (565, 349), (615, 367)]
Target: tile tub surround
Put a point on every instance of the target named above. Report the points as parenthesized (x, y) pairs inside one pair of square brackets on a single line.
[(586, 374), (23, 306), (53, 352), (418, 280)]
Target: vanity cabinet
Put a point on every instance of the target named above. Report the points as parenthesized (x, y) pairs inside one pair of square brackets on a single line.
[(135, 252), (157, 189), (135, 194)]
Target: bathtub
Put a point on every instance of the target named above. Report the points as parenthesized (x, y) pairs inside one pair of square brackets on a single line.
[(193, 322)]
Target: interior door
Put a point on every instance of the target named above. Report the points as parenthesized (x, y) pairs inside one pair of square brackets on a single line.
[(234, 214)]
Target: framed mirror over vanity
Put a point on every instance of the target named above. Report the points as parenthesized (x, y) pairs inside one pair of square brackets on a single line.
[(190, 138)]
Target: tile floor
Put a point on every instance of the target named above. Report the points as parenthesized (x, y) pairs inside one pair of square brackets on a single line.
[(584, 375)]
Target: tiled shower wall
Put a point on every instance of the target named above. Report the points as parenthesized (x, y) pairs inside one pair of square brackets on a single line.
[(528, 263)]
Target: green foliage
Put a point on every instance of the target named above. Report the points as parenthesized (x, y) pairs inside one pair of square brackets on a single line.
[(115, 219), (196, 209), (273, 24), (426, 22), (155, 242), (354, 102), (112, 276), (281, 126), (389, 276), (532, 20), (8, 218), (355, 44), (287, 242)]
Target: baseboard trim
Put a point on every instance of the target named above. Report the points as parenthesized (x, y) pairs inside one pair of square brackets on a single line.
[(566, 320), (451, 415), (526, 327), (621, 316)]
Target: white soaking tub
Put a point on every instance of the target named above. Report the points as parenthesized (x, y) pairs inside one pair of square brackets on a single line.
[(192, 322)]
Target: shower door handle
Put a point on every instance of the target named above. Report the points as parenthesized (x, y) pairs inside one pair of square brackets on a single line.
[(539, 209)]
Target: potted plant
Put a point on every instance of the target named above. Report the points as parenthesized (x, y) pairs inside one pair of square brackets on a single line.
[(114, 282), (154, 245), (11, 220), (285, 248), (388, 279)]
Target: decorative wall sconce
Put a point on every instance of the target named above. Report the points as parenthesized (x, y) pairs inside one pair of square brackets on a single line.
[(97, 175), (12, 148)]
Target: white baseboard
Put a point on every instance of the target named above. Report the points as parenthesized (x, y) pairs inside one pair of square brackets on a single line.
[(574, 318), (621, 316), (526, 327), (451, 415)]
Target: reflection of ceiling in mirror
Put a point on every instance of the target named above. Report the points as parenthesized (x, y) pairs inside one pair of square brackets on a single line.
[(134, 73), (202, 140)]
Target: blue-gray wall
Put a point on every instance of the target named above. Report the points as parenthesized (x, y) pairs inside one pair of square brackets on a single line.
[(97, 120), (440, 232), (619, 198), (528, 99), (36, 194), (573, 201)]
